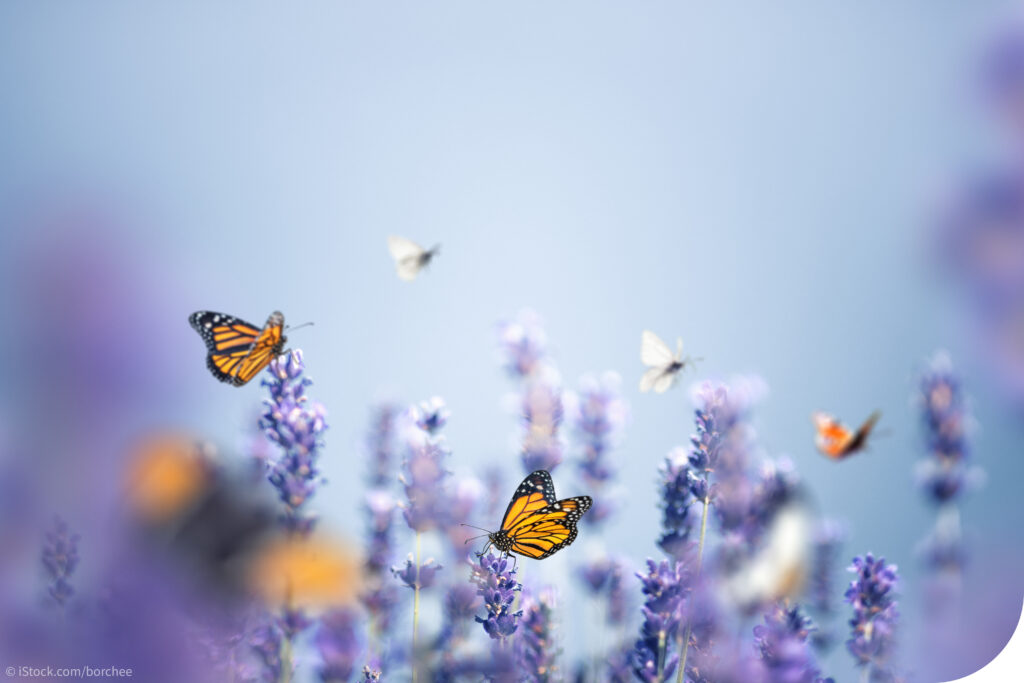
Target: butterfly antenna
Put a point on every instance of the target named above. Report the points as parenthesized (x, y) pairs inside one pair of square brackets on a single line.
[(477, 528), (474, 538), (297, 327)]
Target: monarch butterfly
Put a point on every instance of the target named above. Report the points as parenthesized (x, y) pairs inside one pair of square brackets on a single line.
[(410, 258), (837, 441), (536, 523), (237, 350), (663, 367)]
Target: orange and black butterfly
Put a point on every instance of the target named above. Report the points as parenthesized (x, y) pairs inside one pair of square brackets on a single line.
[(837, 441), (536, 523), (238, 350)]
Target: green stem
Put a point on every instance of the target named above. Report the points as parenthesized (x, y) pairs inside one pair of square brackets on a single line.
[(865, 674), (660, 664), (286, 659), (685, 645), (416, 612)]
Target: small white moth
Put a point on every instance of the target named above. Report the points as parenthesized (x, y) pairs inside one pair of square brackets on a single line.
[(662, 366), (410, 258)]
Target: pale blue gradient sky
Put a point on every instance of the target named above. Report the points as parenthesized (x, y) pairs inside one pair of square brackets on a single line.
[(754, 179)]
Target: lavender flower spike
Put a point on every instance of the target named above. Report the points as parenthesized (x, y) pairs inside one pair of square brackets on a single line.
[(946, 421), (425, 577), (599, 415), (782, 643), (537, 648), (296, 425), (523, 344), (424, 476), (497, 585), (60, 557), (873, 597), (678, 481), (338, 646), (665, 586)]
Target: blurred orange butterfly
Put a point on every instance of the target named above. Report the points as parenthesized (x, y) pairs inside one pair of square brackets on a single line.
[(837, 441), (237, 350), (536, 523)]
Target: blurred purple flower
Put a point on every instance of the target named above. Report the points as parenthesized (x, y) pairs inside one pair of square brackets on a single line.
[(460, 605), (465, 494), (424, 477), (946, 421), (873, 598), (380, 446), (1002, 73), (599, 415), (380, 595), (431, 415), (497, 585), (542, 414), (782, 644), (296, 425), (423, 577), (825, 548), (337, 643), (265, 641), (523, 344), (604, 576), (665, 585), (370, 675), (60, 558), (537, 650)]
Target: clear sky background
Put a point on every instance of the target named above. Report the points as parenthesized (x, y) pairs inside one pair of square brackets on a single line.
[(754, 178)]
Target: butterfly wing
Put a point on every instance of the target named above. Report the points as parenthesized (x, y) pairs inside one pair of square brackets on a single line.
[(266, 348), (665, 381), (536, 492), (408, 257), (549, 529), (860, 438), (833, 438), (650, 378), (653, 351), (237, 350)]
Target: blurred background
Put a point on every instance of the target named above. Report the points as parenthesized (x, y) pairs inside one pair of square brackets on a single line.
[(783, 187)]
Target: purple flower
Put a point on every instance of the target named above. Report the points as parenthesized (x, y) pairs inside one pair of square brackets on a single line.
[(337, 643), (60, 558), (380, 446), (424, 476), (537, 649), (460, 605), (542, 413), (825, 547), (782, 644), (604, 577), (380, 595), (431, 415), (265, 641), (424, 577), (599, 415), (465, 495), (946, 421), (677, 522), (665, 586), (370, 675), (523, 344), (497, 586), (296, 425), (873, 598), (1002, 73)]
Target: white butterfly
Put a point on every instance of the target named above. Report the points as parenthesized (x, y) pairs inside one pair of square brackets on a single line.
[(410, 258), (662, 366)]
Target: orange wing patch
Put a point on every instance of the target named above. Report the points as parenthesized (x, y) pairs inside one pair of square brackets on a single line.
[(237, 350), (836, 441)]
